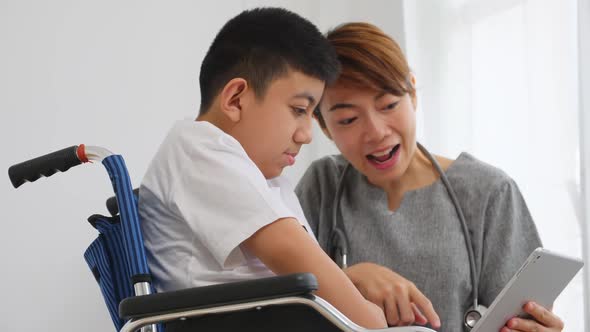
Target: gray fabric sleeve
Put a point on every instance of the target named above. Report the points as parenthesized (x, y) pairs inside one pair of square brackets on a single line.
[(308, 192), (316, 191), (509, 237)]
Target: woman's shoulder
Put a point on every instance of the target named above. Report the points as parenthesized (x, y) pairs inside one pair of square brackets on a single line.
[(331, 163), (470, 171), (324, 172)]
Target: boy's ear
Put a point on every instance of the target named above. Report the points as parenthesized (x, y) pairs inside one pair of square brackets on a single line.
[(231, 98)]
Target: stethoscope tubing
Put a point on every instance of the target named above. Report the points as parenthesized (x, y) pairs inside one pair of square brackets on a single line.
[(339, 241)]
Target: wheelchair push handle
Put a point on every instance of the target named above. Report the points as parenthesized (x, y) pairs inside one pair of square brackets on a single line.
[(58, 161)]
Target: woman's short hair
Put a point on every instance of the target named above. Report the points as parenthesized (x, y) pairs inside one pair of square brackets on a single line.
[(371, 59)]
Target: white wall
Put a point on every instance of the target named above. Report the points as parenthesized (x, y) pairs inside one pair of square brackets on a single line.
[(584, 81), (97, 72), (499, 79), (111, 73)]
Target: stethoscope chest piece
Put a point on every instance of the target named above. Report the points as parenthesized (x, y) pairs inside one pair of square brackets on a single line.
[(473, 315)]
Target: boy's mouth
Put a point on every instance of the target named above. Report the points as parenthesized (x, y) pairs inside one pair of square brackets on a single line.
[(383, 156), (290, 158)]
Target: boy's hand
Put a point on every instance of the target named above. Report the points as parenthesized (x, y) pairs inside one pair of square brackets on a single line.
[(399, 298), (545, 321)]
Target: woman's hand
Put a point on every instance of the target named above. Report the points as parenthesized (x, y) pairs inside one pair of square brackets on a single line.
[(377, 311), (544, 321), (399, 298)]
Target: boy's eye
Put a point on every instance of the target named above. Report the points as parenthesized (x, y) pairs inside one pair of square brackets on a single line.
[(347, 121), (299, 110)]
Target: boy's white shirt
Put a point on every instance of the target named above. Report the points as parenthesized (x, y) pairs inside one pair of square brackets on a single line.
[(201, 197)]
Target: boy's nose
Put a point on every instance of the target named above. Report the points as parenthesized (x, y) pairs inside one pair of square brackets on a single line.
[(304, 133)]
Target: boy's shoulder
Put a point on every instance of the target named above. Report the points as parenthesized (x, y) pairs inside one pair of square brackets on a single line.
[(199, 131), (199, 141), (199, 153)]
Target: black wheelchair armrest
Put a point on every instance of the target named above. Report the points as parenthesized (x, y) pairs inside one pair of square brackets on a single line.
[(222, 294)]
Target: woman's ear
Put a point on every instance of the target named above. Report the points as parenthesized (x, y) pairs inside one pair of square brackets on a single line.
[(231, 98), (321, 122), (413, 95), (326, 132)]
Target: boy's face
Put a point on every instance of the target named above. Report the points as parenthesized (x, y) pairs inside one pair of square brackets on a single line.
[(273, 128)]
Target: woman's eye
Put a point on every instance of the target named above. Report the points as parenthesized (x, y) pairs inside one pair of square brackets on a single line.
[(391, 106), (347, 121)]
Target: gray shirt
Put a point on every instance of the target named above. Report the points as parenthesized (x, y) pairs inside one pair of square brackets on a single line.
[(422, 240)]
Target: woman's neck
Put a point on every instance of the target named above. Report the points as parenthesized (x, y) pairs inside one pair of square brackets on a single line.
[(420, 173)]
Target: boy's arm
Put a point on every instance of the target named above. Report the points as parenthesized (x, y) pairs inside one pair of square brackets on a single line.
[(285, 247)]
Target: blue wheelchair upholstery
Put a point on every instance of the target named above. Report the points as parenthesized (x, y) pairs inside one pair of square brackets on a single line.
[(107, 261), (117, 257)]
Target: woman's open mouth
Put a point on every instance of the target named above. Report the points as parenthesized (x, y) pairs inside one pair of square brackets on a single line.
[(384, 159)]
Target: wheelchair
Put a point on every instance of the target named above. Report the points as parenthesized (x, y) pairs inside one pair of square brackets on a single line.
[(118, 262)]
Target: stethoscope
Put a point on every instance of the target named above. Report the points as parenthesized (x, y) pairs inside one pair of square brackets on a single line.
[(339, 240)]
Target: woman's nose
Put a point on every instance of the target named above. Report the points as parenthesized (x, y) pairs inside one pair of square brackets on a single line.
[(376, 129)]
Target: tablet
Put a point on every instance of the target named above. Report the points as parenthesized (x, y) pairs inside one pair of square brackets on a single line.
[(541, 278)]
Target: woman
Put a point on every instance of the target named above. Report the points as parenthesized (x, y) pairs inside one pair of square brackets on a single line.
[(395, 210)]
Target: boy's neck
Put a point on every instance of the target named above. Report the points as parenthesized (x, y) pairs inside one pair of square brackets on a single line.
[(217, 119)]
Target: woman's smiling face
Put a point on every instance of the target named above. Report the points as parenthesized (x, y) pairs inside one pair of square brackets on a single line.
[(374, 130)]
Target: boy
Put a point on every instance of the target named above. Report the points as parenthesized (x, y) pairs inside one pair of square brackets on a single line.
[(214, 208)]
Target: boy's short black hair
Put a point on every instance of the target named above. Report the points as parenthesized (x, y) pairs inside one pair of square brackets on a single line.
[(262, 44)]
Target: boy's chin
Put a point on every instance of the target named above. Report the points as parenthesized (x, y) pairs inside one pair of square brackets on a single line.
[(272, 173)]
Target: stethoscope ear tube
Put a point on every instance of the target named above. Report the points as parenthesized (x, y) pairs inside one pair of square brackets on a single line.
[(339, 248), (338, 240)]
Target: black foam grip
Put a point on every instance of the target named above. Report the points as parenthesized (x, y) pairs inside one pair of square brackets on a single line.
[(46, 165)]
